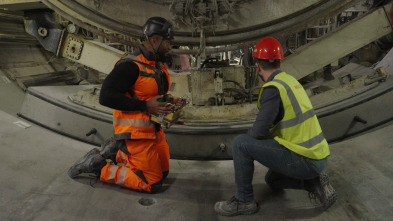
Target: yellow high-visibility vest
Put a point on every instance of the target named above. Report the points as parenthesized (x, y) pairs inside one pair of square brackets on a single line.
[(299, 130)]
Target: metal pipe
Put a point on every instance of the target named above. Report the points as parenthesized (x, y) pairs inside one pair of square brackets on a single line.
[(299, 20), (16, 36), (11, 17), (11, 27), (209, 51), (291, 23), (88, 27), (136, 45), (129, 29)]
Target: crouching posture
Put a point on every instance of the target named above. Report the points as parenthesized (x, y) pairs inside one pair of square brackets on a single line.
[(286, 138), (138, 151)]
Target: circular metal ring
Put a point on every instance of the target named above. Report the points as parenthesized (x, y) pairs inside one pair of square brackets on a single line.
[(43, 32)]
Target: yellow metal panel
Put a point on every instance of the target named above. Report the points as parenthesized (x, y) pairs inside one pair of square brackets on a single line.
[(91, 54), (339, 43)]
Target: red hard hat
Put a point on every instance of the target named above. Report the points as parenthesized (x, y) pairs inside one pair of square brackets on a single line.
[(268, 48)]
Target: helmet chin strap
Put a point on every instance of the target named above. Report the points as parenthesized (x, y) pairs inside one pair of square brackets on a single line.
[(157, 56)]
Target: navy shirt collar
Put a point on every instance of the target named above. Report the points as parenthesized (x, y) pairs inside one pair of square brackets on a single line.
[(271, 77)]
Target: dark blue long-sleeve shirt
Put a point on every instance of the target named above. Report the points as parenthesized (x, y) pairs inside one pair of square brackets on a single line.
[(270, 113)]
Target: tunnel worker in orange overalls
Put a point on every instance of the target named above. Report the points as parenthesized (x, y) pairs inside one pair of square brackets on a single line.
[(138, 150)]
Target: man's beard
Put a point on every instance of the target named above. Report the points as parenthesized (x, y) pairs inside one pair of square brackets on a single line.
[(162, 56)]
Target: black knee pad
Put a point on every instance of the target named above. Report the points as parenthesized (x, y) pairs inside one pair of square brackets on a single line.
[(155, 187), (164, 174)]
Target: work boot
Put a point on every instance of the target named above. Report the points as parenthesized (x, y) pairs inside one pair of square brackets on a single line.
[(92, 162), (321, 189), (109, 149), (235, 207)]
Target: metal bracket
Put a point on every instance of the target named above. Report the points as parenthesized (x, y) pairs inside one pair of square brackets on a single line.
[(74, 48)]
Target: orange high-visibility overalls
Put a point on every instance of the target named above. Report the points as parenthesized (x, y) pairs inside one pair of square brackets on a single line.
[(143, 169)]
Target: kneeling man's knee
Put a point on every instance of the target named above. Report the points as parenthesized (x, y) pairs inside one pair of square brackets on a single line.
[(237, 142)]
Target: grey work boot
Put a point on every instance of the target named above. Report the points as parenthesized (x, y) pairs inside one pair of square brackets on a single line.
[(92, 162), (235, 207), (109, 149), (321, 189)]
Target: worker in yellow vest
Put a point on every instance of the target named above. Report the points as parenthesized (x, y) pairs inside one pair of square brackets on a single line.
[(286, 137)]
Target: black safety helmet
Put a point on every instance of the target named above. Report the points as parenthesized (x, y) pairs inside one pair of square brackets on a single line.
[(157, 25)]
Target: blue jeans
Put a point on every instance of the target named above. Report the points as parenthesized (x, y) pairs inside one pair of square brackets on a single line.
[(287, 170)]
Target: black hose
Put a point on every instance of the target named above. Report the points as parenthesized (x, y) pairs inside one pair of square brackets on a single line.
[(206, 61), (250, 92), (242, 93), (238, 84)]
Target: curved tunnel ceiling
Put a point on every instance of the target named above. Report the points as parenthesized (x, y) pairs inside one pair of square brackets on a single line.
[(222, 21)]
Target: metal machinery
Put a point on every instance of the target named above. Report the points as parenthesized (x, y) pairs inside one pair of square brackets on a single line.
[(339, 51)]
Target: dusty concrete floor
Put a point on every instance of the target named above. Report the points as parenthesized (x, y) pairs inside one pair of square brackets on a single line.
[(34, 184)]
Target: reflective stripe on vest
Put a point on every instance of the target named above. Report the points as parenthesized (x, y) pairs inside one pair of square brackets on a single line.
[(300, 116), (299, 130), (132, 122)]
